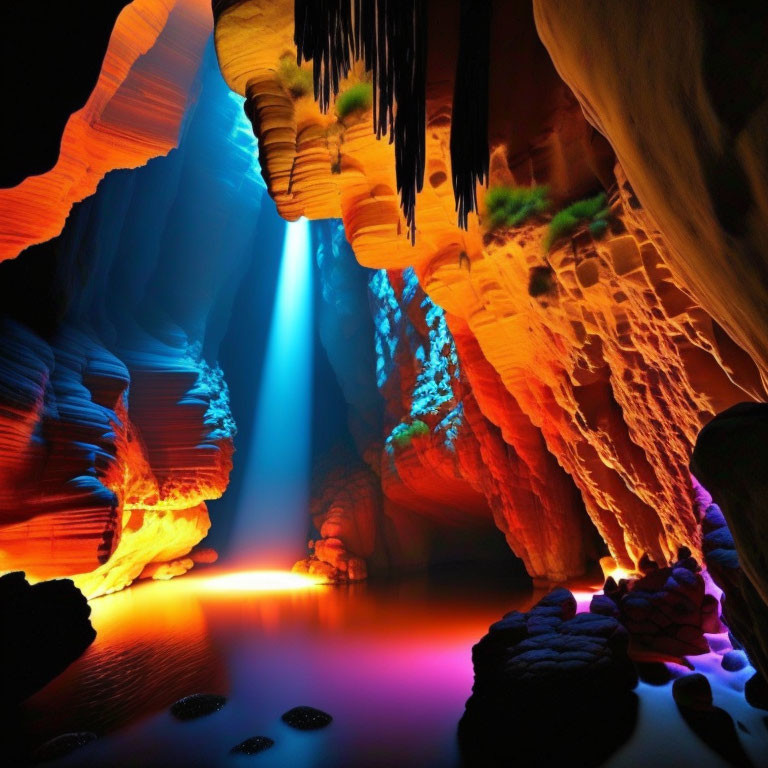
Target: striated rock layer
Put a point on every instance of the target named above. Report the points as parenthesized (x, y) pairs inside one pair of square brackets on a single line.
[(115, 426), (599, 383), (133, 114)]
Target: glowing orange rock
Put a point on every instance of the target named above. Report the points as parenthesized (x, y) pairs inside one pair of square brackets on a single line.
[(133, 114)]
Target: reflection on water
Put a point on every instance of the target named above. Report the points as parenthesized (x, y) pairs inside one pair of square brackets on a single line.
[(391, 662)]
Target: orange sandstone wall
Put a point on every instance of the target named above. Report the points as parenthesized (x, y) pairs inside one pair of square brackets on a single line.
[(606, 378), (133, 114), (688, 125)]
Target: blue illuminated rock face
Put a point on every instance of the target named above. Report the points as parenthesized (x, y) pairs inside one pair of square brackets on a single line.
[(114, 413), (441, 465)]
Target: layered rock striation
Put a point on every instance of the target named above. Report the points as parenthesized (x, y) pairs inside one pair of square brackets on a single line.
[(134, 113), (587, 353), (115, 426)]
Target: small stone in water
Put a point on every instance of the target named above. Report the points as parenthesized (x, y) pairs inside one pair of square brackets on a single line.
[(197, 705), (306, 718), (253, 746), (63, 745), (733, 661)]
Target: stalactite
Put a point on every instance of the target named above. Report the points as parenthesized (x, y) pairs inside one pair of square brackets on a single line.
[(390, 37), (469, 115), (323, 35)]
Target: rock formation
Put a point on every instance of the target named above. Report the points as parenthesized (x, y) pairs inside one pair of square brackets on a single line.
[(689, 131), (551, 687), (133, 114), (730, 462), (666, 611), (45, 627), (115, 426), (591, 358)]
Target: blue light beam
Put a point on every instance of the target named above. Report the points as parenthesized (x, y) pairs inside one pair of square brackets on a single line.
[(273, 513)]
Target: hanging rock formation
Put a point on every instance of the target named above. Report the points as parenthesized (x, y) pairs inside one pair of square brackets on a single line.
[(592, 359), (133, 114), (688, 128)]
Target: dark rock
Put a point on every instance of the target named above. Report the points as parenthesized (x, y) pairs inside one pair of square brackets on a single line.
[(62, 745), (197, 705), (654, 673), (306, 718), (692, 691), (756, 691), (733, 661), (666, 611), (731, 461), (44, 628), (549, 671), (714, 726), (253, 746)]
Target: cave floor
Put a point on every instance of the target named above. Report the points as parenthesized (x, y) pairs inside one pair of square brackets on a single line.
[(390, 661)]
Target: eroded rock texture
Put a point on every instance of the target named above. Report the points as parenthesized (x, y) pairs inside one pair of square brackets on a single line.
[(688, 128), (134, 113), (595, 386), (550, 686), (730, 462), (115, 425), (666, 611)]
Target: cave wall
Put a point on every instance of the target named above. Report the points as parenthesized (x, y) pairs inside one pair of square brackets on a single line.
[(600, 384), (133, 113), (703, 178), (116, 426)]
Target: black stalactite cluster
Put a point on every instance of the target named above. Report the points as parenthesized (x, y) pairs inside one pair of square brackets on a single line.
[(390, 36), (323, 35), (469, 117)]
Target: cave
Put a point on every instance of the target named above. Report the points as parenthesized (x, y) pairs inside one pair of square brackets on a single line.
[(384, 384)]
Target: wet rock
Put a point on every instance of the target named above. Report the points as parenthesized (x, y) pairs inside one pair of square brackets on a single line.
[(666, 611), (714, 726), (549, 671), (197, 705), (60, 746), (692, 691), (253, 746), (733, 661), (43, 629), (654, 673), (306, 718), (731, 461), (756, 691)]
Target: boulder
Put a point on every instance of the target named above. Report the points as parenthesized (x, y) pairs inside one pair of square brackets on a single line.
[(551, 687), (666, 611), (43, 629), (197, 705), (731, 462)]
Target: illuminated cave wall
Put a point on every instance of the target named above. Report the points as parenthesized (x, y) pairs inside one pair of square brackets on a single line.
[(427, 477), (116, 426), (597, 385)]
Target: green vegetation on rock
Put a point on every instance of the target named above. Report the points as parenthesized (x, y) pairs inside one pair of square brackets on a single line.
[(591, 210), (356, 98), (511, 206), (297, 81), (404, 433)]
